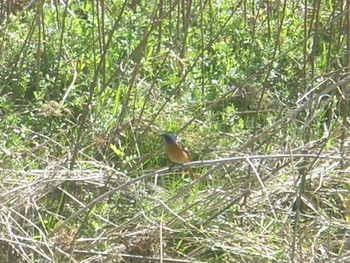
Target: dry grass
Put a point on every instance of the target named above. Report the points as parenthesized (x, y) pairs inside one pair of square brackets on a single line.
[(246, 219), (260, 89)]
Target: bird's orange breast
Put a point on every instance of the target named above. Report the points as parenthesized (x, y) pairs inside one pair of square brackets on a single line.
[(176, 154)]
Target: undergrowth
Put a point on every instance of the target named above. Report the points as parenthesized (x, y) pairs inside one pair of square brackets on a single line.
[(257, 90)]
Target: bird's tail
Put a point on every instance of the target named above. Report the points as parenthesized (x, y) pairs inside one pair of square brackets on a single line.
[(190, 171)]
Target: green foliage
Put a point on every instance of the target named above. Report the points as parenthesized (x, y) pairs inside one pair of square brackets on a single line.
[(86, 90)]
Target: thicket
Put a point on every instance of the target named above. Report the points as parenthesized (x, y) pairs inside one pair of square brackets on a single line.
[(257, 90)]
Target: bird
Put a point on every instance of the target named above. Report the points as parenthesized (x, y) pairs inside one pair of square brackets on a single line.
[(176, 152)]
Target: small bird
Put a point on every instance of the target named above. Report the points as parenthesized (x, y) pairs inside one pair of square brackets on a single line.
[(176, 152)]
